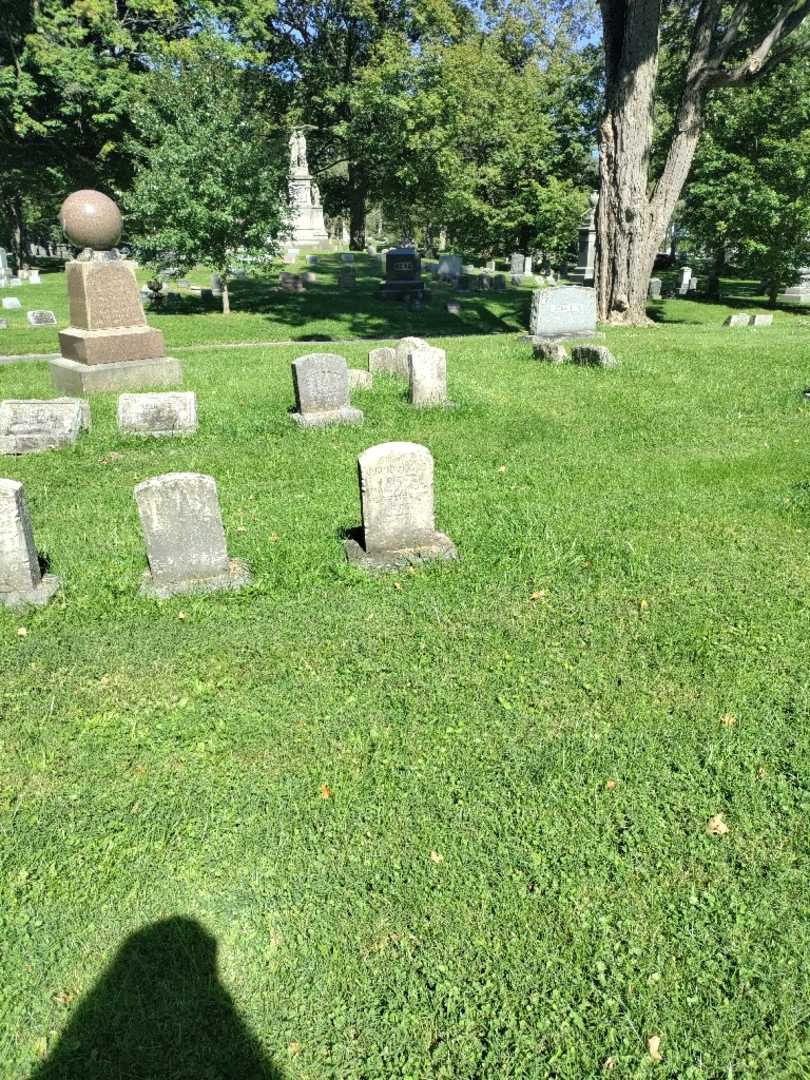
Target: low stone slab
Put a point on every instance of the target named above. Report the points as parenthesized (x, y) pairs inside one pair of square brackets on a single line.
[(11, 303), (738, 320), (761, 320), (41, 318), (321, 384), (552, 352), (77, 379), (21, 580), (593, 356), (166, 414), (383, 359), (185, 540), (396, 497), (31, 426), (360, 380)]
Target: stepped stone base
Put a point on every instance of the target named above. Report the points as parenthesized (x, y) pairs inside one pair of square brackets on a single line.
[(111, 346), (78, 379), (237, 577), (36, 597), (440, 547)]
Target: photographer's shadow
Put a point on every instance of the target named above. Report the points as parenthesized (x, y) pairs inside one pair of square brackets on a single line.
[(159, 1012)]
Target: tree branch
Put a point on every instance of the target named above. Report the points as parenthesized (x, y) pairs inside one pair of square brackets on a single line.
[(761, 56)]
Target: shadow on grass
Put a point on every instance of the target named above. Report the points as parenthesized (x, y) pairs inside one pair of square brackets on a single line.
[(159, 1012)]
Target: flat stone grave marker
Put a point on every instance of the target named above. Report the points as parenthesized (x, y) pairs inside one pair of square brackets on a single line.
[(11, 303), (396, 497), (565, 311), (41, 318), (427, 367), (321, 383), (185, 540), (761, 320), (159, 414), (31, 426), (593, 356), (21, 580), (738, 320)]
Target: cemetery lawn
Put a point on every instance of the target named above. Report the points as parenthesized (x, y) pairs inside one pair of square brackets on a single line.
[(450, 823)]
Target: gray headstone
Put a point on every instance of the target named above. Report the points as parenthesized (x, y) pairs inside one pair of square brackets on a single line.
[(449, 266), (686, 274), (593, 356), (428, 376), (693, 284), (41, 318), (761, 320), (312, 260), (396, 495), (3, 261), (170, 413), (738, 320), (359, 379), (563, 311), (383, 359), (499, 282), (404, 348), (11, 303), (654, 290), (347, 278), (453, 308), (185, 540), (321, 383), (30, 427), (347, 257), (21, 581), (15, 282), (552, 352), (309, 277), (517, 262)]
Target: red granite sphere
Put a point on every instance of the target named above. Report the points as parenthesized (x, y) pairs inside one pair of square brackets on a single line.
[(91, 219)]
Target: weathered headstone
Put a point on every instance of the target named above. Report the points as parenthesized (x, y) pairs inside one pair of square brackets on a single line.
[(693, 285), (550, 351), (517, 262), (593, 356), (171, 413), (403, 274), (359, 380), (454, 308), (291, 282), (738, 320), (383, 359), (563, 312), (686, 274), (584, 273), (3, 324), (41, 318), (11, 303), (312, 260), (216, 285), (449, 266), (309, 277), (404, 348), (798, 293), (30, 427), (396, 496), (185, 540), (427, 368), (761, 320), (21, 580), (321, 383), (654, 291), (15, 282), (33, 277), (499, 282)]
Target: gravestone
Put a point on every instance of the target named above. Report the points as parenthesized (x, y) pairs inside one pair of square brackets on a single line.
[(563, 312), (41, 318), (312, 260), (347, 257), (396, 497), (108, 345), (552, 352), (693, 285), (185, 540), (31, 427), (15, 282), (33, 277), (761, 320), (403, 350), (3, 324), (427, 367), (798, 293), (308, 229), (454, 308), (291, 282), (4, 270), (383, 359), (359, 380), (216, 285), (584, 273), (737, 320), (593, 356), (403, 275), (21, 580), (347, 277), (499, 282), (11, 303), (172, 413), (686, 274), (321, 383), (654, 291), (309, 277), (517, 262), (449, 266)]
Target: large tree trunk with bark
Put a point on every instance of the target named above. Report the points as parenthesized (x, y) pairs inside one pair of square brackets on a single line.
[(357, 209)]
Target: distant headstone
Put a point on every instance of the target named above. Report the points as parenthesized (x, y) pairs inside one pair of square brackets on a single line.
[(170, 413), (309, 277), (185, 541), (686, 274), (552, 352), (449, 266), (517, 262), (454, 308), (3, 324), (21, 580), (593, 356), (396, 495), (321, 383), (586, 259), (216, 285), (30, 427), (312, 260), (499, 282), (693, 284), (11, 303), (491, 265), (360, 380), (291, 282), (427, 368), (404, 348), (737, 320), (403, 275), (347, 257), (800, 292), (3, 261), (33, 277), (761, 320), (654, 291), (41, 318), (383, 359), (15, 282), (347, 277), (563, 312)]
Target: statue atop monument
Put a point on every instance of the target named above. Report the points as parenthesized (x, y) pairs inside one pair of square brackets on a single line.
[(298, 151), (308, 228)]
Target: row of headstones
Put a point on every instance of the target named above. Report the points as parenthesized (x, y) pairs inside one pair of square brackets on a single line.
[(35, 317), (322, 382), (748, 320), (687, 284), (185, 540), (13, 281), (31, 427)]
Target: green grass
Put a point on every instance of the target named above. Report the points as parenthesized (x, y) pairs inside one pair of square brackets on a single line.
[(165, 761)]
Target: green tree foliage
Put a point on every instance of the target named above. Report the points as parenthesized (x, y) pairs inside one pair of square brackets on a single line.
[(748, 199), (210, 166)]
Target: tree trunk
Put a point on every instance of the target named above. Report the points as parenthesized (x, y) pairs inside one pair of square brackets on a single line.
[(357, 210), (718, 266), (18, 237), (226, 297)]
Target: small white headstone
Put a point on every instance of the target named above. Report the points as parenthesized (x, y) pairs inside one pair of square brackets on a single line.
[(402, 353), (33, 277), (11, 303)]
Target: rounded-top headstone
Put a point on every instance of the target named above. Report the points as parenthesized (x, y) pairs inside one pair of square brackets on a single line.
[(91, 219)]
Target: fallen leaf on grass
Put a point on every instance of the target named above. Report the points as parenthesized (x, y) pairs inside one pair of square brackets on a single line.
[(643, 605), (501, 468), (326, 791), (274, 537), (728, 719), (539, 595), (22, 631), (294, 1048), (610, 785), (181, 615), (64, 997), (654, 1047), (715, 826), (41, 1046), (436, 857), (609, 1063), (761, 773), (398, 585)]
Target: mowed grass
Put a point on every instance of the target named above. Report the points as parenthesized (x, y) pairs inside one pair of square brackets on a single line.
[(450, 823)]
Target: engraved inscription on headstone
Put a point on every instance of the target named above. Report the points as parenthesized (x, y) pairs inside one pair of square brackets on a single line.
[(563, 311), (428, 377), (21, 580), (29, 427), (172, 413), (321, 384), (41, 318), (103, 295)]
